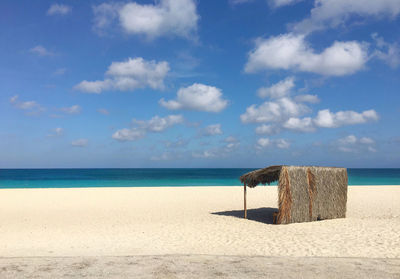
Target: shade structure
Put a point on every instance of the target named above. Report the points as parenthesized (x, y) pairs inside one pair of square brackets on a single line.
[(305, 193)]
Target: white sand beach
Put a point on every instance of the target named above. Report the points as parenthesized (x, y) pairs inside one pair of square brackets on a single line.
[(119, 222)]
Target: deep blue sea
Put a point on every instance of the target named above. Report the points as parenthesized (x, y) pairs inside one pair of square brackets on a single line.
[(72, 178)]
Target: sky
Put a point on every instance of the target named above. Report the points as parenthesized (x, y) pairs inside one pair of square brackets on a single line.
[(195, 83)]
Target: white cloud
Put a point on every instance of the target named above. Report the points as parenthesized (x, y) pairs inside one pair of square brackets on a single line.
[(276, 111), (212, 130), (22, 105), (282, 143), (278, 90), (204, 154), (94, 86), (41, 51), (129, 75), (103, 111), (327, 119), (230, 139), (266, 142), (267, 130), (104, 15), (59, 9), (75, 109), (231, 146), (141, 127), (32, 107), (57, 132), (60, 71), (366, 140), (299, 124), (197, 97), (128, 134), (177, 143), (351, 139), (159, 124), (263, 142), (346, 149), (231, 143), (237, 2), (281, 3), (166, 156), (353, 144), (333, 13), (307, 98), (292, 52), (165, 18), (387, 52), (80, 142), (284, 113)]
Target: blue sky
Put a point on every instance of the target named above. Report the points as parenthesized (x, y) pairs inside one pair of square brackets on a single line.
[(185, 83)]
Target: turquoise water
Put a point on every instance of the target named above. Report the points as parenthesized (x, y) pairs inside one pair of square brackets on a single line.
[(75, 178)]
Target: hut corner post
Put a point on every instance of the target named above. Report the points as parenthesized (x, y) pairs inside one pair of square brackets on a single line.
[(245, 208)]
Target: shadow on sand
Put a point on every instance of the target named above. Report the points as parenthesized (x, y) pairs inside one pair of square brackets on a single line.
[(263, 214)]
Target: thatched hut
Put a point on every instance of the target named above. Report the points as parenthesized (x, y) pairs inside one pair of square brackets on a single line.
[(304, 193)]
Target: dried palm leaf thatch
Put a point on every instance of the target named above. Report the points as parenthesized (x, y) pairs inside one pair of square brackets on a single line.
[(261, 176), (284, 197), (305, 193)]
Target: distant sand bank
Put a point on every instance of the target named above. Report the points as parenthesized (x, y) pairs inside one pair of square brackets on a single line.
[(190, 220)]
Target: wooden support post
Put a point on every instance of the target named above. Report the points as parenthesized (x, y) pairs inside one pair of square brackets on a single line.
[(245, 208)]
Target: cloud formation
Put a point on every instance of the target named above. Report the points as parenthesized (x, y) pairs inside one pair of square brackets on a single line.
[(273, 111), (57, 132), (164, 18), (267, 130), (353, 144), (281, 3), (387, 52), (31, 107), (198, 97), (283, 112), (129, 75), (263, 143), (307, 98), (327, 119), (75, 109), (41, 51), (278, 90), (159, 124), (212, 130), (305, 124), (292, 52), (103, 111), (59, 9), (331, 14), (140, 128), (80, 143)]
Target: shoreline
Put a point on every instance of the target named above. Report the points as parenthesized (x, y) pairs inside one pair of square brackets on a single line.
[(179, 186)]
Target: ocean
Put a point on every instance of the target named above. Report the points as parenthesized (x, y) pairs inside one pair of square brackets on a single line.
[(76, 178)]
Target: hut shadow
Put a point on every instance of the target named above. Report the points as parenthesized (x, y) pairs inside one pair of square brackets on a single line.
[(262, 215)]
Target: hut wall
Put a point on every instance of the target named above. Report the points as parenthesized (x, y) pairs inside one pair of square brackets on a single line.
[(314, 193), (300, 196), (331, 197)]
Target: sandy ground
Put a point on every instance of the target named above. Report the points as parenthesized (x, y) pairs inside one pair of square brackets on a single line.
[(199, 266), (102, 222)]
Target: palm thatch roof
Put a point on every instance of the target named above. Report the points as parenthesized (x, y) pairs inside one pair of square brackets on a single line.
[(261, 176)]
